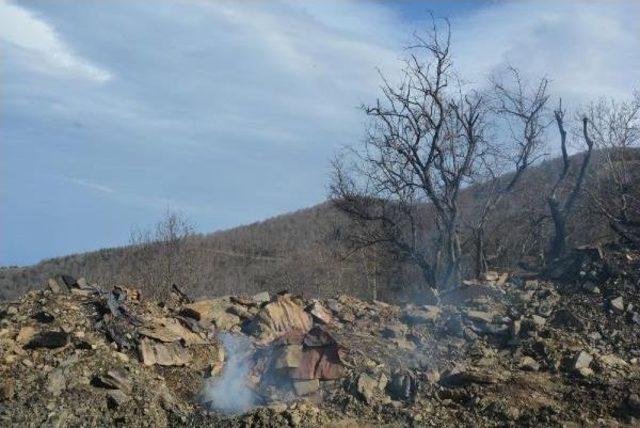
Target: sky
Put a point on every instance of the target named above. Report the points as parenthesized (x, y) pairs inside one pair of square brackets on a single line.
[(113, 112)]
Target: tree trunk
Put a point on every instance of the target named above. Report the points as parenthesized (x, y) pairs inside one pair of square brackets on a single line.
[(560, 237)]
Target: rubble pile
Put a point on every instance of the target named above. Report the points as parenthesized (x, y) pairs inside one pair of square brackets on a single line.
[(511, 349)]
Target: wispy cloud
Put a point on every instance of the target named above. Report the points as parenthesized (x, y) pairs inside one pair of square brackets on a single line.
[(101, 188), (40, 47)]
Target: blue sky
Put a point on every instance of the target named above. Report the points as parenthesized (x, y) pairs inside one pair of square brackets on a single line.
[(228, 111)]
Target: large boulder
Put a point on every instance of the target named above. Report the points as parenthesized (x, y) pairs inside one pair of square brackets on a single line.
[(215, 311), (278, 318)]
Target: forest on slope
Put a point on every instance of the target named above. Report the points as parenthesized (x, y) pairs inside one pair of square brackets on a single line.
[(307, 251)]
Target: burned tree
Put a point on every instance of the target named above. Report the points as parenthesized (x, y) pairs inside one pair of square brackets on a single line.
[(424, 140), (615, 130), (521, 108), (569, 185)]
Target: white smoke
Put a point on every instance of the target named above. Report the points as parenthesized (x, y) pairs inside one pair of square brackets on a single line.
[(229, 393)]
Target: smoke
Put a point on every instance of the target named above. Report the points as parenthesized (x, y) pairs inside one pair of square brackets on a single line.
[(229, 393)]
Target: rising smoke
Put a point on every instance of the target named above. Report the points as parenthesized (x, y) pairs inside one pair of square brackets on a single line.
[(229, 392)]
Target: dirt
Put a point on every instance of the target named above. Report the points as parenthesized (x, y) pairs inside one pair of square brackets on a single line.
[(509, 350)]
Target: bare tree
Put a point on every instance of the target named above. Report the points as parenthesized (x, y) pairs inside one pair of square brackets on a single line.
[(423, 142), (615, 130), (567, 187), (162, 254), (521, 108)]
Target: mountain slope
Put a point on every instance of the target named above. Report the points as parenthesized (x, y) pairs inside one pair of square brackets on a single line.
[(304, 251)]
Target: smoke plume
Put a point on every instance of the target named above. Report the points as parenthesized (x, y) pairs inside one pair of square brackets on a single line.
[(229, 393)]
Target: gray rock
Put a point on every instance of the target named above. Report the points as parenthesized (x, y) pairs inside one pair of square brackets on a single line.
[(56, 382), (582, 361), (117, 398), (617, 304), (261, 297), (367, 387), (403, 385)]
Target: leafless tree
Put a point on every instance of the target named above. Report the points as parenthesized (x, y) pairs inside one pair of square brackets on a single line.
[(162, 254), (521, 109), (567, 187), (423, 142), (615, 130)]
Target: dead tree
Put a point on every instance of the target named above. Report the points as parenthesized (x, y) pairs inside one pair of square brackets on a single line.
[(423, 142), (559, 207), (615, 130), (161, 255), (522, 109)]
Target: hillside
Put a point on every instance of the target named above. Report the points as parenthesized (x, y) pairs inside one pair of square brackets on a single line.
[(304, 251)]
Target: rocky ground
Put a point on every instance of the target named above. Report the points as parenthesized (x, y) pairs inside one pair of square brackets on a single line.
[(510, 350)]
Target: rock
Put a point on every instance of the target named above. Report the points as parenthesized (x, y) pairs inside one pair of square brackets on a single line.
[(170, 330), (538, 321), (612, 361), (585, 371), (582, 361), (514, 329), (491, 275), (617, 304), (306, 387), (113, 379), (56, 382), (533, 323), (502, 280), (486, 317), (170, 354), (633, 404), (367, 387), (403, 385), (278, 318), (289, 357), (529, 364), (7, 389), (239, 311), (48, 339), (25, 334), (262, 297), (117, 398), (320, 314), (54, 287), (334, 305), (43, 317), (214, 311), (322, 363)]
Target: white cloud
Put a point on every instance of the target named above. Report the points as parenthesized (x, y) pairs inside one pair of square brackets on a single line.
[(41, 46), (587, 49)]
